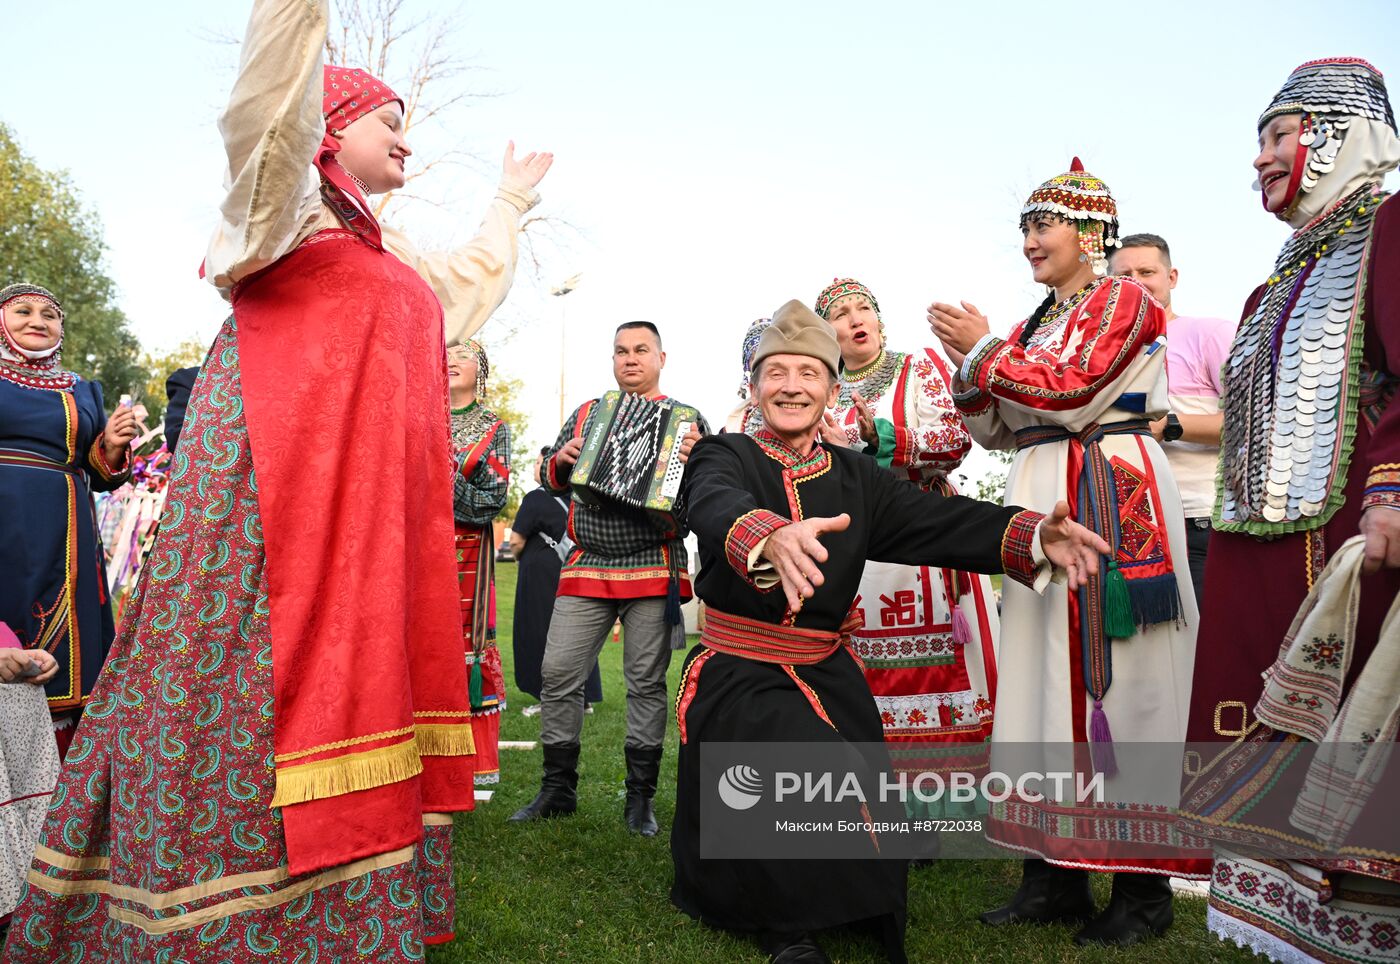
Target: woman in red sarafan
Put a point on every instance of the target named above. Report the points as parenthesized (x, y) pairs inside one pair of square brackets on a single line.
[(272, 754)]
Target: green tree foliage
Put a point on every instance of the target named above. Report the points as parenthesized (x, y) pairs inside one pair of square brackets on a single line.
[(501, 396), (992, 488), (48, 237), (158, 366)]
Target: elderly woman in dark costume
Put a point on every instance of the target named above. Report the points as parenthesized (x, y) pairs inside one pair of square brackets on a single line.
[(56, 447)]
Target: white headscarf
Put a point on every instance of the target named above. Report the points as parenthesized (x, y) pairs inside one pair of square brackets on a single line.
[(1369, 151)]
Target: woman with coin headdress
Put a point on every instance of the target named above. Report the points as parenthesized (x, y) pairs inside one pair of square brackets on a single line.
[(480, 484), (928, 641), (271, 758), (1309, 459), (1072, 389)]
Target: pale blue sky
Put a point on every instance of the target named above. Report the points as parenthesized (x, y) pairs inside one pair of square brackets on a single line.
[(721, 159)]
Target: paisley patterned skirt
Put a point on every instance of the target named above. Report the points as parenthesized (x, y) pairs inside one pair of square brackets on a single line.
[(160, 842)]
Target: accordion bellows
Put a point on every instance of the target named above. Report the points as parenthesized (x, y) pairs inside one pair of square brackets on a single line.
[(632, 453)]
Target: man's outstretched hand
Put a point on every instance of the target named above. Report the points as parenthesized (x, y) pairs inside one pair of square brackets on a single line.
[(796, 554), (1071, 546)]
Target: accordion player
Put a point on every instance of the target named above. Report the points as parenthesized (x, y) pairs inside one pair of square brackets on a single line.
[(632, 454)]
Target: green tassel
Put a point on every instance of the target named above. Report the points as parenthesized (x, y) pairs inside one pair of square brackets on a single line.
[(1117, 605), (474, 686)]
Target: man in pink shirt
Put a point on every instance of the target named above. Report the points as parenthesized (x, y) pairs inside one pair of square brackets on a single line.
[(1190, 433)]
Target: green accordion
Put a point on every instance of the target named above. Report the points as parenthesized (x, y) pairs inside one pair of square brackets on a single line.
[(632, 454)]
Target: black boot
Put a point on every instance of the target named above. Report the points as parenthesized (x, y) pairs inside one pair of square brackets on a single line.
[(643, 765), (1141, 907), (1047, 895), (557, 796), (792, 949)]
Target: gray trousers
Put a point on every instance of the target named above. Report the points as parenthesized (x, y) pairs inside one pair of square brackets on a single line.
[(577, 634)]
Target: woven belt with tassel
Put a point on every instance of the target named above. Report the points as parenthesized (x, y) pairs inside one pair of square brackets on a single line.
[(1106, 607)]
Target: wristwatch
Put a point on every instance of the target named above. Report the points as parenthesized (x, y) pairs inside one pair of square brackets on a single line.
[(1173, 430)]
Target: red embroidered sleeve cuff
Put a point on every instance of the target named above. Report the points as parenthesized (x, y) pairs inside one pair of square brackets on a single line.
[(98, 458), (745, 540), (1020, 556), (1383, 487), (979, 365)]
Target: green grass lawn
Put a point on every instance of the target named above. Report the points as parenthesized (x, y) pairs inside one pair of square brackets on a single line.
[(583, 889)]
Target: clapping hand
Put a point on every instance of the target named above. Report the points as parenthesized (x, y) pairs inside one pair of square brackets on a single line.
[(796, 553), (528, 170), (831, 432), (865, 421), (1070, 546), (957, 328)]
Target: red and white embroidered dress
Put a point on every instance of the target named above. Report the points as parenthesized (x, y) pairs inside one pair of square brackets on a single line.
[(934, 686), (1098, 357)]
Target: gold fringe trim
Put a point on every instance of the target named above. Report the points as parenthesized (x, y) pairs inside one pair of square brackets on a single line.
[(445, 739), (342, 744), (346, 774)]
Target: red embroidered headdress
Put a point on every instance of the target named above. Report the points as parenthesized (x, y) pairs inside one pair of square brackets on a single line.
[(1080, 197), (838, 289)]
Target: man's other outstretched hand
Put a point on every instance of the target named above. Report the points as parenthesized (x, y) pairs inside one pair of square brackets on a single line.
[(1070, 546), (796, 553)]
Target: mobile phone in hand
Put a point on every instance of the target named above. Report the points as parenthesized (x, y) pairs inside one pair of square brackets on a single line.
[(30, 671)]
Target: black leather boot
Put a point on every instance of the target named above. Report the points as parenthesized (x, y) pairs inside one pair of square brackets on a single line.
[(1141, 907), (558, 788), (792, 949), (643, 765), (1047, 895)]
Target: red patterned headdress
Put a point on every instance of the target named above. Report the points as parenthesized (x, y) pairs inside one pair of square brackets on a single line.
[(838, 289), (1080, 197), (347, 95)]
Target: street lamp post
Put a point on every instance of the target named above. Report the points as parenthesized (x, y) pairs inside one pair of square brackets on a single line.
[(559, 292)]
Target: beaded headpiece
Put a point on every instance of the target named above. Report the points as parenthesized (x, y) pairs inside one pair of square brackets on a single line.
[(34, 369), (750, 343), (838, 289), (472, 349), (1333, 95), (841, 288), (1080, 197)]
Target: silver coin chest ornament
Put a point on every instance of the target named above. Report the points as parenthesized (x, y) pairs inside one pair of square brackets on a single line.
[(1295, 373)]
